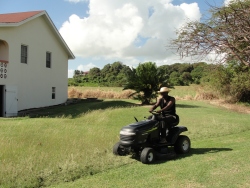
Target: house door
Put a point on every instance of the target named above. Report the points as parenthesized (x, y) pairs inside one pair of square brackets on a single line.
[(2, 101), (11, 101)]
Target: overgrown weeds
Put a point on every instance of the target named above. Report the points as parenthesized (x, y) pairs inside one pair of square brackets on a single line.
[(98, 93), (202, 94)]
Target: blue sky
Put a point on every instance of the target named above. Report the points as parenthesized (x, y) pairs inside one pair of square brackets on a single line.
[(104, 31)]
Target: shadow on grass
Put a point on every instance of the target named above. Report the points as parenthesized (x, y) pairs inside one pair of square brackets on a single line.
[(193, 151), (187, 106), (202, 151), (74, 110), (171, 155)]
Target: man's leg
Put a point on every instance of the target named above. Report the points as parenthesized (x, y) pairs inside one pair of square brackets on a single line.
[(166, 124), (163, 132)]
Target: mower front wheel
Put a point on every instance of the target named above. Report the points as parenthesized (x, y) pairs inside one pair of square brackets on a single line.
[(147, 155), (182, 144), (118, 149)]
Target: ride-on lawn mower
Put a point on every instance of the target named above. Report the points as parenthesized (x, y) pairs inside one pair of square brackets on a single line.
[(142, 139)]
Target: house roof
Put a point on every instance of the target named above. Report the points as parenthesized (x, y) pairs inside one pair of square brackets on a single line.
[(17, 17), (20, 18)]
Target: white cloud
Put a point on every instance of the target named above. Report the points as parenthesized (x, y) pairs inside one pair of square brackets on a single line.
[(113, 28), (86, 67), (227, 2), (102, 34), (81, 67), (70, 73), (191, 11)]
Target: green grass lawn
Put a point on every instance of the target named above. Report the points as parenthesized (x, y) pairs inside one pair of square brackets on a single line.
[(213, 162), (71, 146)]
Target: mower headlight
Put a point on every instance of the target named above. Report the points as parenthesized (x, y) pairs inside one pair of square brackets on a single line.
[(124, 132)]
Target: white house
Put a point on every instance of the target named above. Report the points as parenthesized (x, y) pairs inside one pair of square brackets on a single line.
[(33, 62)]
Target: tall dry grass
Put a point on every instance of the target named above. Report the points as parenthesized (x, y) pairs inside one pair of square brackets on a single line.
[(180, 93), (214, 98), (202, 94), (98, 93)]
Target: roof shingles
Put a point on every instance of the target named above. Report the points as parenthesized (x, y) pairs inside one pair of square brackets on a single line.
[(17, 17)]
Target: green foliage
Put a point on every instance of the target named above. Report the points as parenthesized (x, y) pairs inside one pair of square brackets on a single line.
[(232, 80), (94, 73), (199, 71), (146, 80), (183, 74), (114, 75), (175, 79), (111, 75), (186, 78)]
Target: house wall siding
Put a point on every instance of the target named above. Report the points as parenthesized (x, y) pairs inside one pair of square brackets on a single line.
[(33, 80)]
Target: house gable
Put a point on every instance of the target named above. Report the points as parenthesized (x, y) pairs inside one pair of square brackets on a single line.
[(17, 19)]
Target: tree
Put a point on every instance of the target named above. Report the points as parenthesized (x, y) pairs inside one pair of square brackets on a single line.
[(165, 69), (226, 33), (146, 80), (232, 81), (121, 77), (94, 74), (77, 73), (105, 71), (116, 67), (175, 79), (199, 71), (186, 78)]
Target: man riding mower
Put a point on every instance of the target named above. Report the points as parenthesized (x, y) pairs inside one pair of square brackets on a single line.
[(150, 137)]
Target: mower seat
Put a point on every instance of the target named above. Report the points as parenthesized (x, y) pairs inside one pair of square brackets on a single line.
[(176, 121)]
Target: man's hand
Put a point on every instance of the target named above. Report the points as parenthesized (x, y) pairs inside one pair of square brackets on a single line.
[(158, 111)]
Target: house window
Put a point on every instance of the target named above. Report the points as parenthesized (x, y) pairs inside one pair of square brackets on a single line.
[(53, 92), (24, 54), (48, 59)]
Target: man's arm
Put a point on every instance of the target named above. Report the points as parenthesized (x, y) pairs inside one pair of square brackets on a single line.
[(155, 106)]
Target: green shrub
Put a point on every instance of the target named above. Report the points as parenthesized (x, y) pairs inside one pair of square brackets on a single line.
[(232, 81)]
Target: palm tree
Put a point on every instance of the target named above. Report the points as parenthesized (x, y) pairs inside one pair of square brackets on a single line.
[(146, 80)]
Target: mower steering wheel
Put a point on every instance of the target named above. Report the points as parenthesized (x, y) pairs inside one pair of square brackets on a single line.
[(155, 113)]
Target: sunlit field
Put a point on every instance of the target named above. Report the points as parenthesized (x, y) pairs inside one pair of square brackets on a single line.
[(71, 146)]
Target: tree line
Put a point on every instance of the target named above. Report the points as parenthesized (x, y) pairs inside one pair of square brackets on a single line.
[(116, 74)]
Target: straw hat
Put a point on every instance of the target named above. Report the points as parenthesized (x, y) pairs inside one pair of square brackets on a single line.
[(164, 90)]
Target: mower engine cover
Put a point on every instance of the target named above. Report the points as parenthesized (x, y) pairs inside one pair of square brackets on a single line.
[(138, 132)]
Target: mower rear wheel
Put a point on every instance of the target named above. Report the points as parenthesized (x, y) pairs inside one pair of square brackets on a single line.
[(182, 145), (118, 150), (147, 155)]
